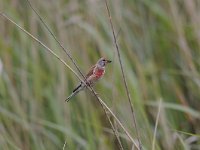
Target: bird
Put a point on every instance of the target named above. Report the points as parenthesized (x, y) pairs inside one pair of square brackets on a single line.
[(95, 73)]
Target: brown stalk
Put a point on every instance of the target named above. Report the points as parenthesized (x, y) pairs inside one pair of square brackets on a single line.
[(122, 70)]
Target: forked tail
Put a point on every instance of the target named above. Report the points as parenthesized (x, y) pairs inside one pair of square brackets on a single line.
[(75, 91), (69, 97)]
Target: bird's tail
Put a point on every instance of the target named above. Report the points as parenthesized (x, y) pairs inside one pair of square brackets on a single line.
[(75, 91)]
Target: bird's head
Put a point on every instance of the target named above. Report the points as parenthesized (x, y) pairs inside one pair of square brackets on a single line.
[(102, 62)]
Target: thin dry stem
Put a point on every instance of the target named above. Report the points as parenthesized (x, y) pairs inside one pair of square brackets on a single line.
[(122, 70), (156, 125), (64, 145), (127, 133), (113, 128), (54, 54), (47, 48), (55, 38)]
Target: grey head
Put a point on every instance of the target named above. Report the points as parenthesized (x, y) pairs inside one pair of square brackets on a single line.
[(102, 62)]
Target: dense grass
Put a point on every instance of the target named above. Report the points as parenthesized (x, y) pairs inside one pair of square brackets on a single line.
[(159, 44)]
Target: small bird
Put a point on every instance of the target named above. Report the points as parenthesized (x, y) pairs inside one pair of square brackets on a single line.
[(96, 72)]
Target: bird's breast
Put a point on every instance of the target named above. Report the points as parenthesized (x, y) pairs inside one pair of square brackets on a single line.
[(99, 72)]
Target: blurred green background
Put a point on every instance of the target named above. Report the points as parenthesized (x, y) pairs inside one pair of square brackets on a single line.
[(159, 43)]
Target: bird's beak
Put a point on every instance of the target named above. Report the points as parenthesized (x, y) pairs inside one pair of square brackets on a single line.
[(108, 61)]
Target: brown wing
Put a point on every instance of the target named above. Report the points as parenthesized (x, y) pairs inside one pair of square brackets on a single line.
[(90, 72)]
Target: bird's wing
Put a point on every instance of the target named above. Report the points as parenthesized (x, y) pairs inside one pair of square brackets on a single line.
[(90, 72)]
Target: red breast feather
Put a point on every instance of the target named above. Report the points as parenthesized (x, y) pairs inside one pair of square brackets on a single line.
[(99, 72)]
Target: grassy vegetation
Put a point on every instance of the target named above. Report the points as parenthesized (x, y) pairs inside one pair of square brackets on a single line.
[(159, 45)]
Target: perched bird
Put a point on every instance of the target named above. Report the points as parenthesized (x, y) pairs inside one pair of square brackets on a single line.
[(96, 72)]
